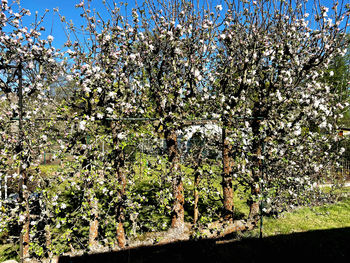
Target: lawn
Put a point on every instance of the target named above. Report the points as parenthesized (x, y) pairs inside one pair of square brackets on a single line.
[(303, 219)]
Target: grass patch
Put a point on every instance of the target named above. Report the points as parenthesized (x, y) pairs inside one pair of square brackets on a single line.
[(49, 169), (307, 219), (8, 252)]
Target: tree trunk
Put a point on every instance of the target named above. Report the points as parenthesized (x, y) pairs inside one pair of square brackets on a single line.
[(24, 208), (93, 202), (26, 229), (23, 180), (254, 202), (254, 206), (121, 235), (25, 225), (48, 241), (119, 162), (94, 223), (227, 177), (178, 214), (120, 210)]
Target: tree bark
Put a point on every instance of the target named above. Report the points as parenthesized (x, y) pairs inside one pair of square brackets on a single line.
[(25, 225), (254, 202), (94, 223), (120, 209), (197, 178), (48, 241), (26, 228), (227, 164), (254, 207), (93, 203), (23, 180), (119, 162), (178, 213)]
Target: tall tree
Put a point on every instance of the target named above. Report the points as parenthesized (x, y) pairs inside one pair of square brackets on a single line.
[(23, 52), (175, 51), (105, 72), (276, 51)]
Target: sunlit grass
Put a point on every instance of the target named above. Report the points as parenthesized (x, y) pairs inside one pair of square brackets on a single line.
[(49, 169), (9, 251), (307, 219)]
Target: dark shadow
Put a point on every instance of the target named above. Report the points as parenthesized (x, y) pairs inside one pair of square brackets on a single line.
[(314, 246)]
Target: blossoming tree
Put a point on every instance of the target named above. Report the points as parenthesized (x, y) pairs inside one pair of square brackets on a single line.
[(275, 54), (259, 68), (175, 50), (26, 65)]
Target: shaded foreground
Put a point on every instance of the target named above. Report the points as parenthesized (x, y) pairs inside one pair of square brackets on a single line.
[(314, 246)]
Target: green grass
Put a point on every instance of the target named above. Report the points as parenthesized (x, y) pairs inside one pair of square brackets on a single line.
[(8, 251), (307, 219), (49, 169)]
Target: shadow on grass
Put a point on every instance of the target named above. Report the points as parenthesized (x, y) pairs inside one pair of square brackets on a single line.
[(314, 246)]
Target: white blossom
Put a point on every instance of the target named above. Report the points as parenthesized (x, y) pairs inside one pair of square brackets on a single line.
[(218, 7), (82, 125), (50, 38)]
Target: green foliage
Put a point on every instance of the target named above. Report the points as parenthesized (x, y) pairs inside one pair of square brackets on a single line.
[(338, 77), (48, 169)]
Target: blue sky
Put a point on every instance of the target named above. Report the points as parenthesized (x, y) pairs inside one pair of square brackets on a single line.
[(53, 24), (67, 8)]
